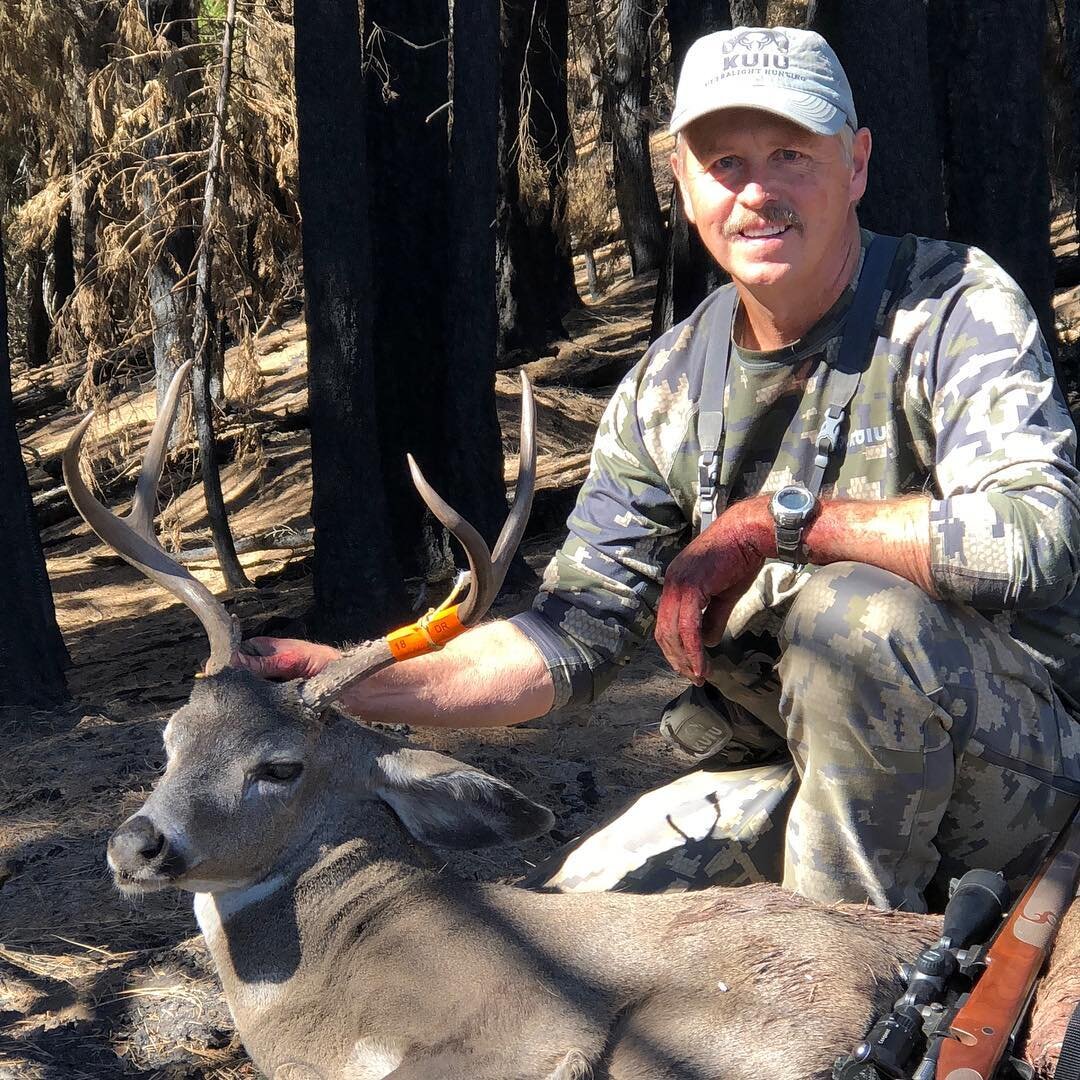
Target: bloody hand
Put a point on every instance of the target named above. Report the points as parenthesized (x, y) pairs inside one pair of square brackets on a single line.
[(705, 580), (281, 659)]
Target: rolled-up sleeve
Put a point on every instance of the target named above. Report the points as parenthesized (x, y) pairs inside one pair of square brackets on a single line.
[(598, 599), (1005, 529)]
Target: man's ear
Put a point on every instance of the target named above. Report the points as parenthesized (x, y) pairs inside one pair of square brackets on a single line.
[(861, 146), (678, 170), (444, 802)]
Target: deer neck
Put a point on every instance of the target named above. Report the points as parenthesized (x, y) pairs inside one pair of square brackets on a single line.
[(267, 939)]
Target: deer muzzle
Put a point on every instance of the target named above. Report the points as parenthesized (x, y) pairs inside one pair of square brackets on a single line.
[(141, 857)]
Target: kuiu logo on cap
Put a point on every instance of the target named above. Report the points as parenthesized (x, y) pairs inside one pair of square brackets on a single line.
[(747, 50), (756, 40)]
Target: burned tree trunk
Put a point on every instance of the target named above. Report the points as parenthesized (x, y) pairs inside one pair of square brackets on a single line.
[(32, 653), (358, 586), (689, 272), (884, 51), (1072, 64), (37, 316), (169, 228), (997, 180), (407, 120), (205, 340), (473, 443), (63, 282), (627, 103), (535, 278), (748, 12)]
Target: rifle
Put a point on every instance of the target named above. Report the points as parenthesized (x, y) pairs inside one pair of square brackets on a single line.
[(965, 1001)]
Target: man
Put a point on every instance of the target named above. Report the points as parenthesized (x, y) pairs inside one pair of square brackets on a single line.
[(912, 635)]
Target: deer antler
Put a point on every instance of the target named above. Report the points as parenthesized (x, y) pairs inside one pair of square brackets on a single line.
[(486, 574), (132, 538)]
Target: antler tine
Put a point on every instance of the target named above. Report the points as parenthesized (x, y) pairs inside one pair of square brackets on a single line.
[(524, 489), (487, 571), (132, 538), (482, 587), (141, 515)]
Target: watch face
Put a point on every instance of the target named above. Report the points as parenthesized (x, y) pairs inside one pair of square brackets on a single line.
[(794, 499)]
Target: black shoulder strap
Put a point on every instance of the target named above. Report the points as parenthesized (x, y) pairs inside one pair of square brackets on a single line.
[(855, 353), (859, 335), (718, 331)]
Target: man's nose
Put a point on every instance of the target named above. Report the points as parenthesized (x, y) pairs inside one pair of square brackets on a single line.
[(754, 195)]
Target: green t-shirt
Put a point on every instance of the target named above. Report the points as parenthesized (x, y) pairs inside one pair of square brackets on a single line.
[(959, 401)]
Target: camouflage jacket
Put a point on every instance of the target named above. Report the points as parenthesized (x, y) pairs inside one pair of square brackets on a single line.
[(959, 401)]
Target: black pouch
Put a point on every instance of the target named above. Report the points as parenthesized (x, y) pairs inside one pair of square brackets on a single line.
[(697, 722)]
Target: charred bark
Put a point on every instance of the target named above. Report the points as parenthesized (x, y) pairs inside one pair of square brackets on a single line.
[(689, 272), (884, 51), (37, 316), (748, 12), (32, 652), (1072, 64), (627, 105), (407, 139), (358, 585), (535, 277), (997, 179), (63, 282), (205, 341), (171, 234), (474, 443)]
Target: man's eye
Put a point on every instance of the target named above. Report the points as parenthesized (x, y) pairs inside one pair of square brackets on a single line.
[(790, 155), (725, 163), (279, 772)]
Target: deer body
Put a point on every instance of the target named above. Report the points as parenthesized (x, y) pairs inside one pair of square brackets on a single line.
[(354, 958), (345, 956)]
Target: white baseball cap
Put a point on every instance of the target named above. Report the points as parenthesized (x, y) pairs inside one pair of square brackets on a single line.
[(792, 73)]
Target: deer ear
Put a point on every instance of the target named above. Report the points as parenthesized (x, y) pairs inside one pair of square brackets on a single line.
[(444, 802)]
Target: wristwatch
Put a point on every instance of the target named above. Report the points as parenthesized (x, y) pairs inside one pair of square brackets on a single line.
[(792, 507)]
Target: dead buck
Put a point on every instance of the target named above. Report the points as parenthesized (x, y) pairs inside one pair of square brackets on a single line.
[(343, 954)]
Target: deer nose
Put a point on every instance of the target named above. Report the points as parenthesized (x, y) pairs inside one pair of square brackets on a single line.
[(137, 842)]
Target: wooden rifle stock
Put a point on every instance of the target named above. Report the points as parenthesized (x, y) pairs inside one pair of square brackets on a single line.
[(979, 1034)]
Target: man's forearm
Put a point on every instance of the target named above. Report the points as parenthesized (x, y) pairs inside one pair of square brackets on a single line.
[(491, 676), (891, 533)]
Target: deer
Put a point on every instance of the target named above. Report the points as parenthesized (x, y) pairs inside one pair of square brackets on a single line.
[(346, 953)]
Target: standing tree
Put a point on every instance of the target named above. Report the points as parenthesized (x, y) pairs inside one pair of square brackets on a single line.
[(358, 584), (204, 341), (689, 272), (997, 180), (473, 442), (626, 106), (1072, 66), (884, 51), (32, 653), (166, 206), (535, 277), (409, 168)]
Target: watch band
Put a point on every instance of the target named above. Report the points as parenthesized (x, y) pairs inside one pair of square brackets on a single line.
[(789, 543)]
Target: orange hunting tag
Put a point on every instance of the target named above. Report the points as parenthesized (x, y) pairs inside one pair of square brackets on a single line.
[(425, 635)]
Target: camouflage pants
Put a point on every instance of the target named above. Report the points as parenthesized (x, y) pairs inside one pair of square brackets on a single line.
[(921, 741)]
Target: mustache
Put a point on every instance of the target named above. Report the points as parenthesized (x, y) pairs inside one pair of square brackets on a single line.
[(773, 214)]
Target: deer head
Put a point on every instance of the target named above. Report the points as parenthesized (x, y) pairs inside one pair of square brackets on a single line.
[(256, 772)]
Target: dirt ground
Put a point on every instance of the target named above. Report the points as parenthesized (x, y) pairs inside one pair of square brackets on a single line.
[(92, 985)]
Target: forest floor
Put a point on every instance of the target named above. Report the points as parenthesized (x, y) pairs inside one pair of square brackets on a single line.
[(92, 985)]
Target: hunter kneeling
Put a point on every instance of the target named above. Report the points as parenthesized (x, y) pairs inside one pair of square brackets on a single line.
[(843, 496)]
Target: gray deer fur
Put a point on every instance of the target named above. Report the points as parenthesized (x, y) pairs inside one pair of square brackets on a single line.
[(346, 954)]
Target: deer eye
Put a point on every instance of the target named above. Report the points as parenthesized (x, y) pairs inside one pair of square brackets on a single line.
[(279, 772)]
